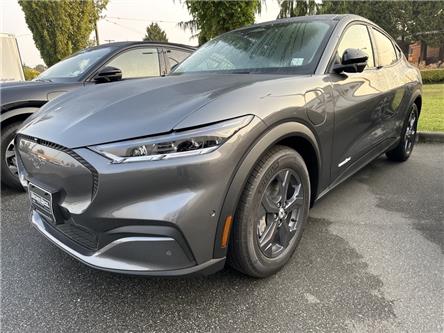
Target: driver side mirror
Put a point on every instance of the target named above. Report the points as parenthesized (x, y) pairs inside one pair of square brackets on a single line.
[(353, 61), (108, 74)]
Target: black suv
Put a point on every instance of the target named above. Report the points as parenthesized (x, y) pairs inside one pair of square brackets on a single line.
[(101, 64)]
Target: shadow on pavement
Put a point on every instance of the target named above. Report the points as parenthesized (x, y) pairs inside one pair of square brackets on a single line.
[(425, 211)]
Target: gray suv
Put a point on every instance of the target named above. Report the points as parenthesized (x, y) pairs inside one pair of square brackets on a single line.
[(222, 159)]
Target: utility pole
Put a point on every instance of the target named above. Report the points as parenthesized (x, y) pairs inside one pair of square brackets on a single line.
[(96, 29)]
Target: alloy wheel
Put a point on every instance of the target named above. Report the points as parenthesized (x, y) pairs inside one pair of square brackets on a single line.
[(280, 213), (10, 158), (410, 133)]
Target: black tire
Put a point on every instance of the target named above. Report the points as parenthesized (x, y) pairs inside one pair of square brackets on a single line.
[(404, 149), (9, 178), (245, 253)]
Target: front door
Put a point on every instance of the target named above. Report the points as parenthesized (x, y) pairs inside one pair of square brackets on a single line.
[(359, 101)]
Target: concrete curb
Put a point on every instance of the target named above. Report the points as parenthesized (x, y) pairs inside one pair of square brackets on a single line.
[(431, 137)]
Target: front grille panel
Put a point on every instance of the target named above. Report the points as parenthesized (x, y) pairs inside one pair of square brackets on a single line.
[(94, 173), (58, 170), (71, 180)]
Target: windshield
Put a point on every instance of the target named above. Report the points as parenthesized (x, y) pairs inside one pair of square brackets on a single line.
[(287, 47), (75, 65)]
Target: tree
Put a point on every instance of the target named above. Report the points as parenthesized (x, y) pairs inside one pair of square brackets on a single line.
[(30, 73), (429, 22), (40, 68), (92, 41), (291, 8), (155, 33), (406, 21), (212, 18), (99, 6), (384, 13), (59, 28)]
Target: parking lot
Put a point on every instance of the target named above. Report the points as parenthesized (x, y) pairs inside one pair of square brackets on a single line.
[(371, 259)]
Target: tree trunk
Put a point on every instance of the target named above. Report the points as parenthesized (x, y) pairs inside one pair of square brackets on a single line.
[(441, 53), (404, 46), (423, 54)]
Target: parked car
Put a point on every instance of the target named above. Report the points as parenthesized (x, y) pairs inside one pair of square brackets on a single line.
[(223, 157), (101, 64)]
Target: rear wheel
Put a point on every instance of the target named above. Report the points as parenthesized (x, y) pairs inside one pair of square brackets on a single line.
[(8, 160), (408, 137), (271, 214)]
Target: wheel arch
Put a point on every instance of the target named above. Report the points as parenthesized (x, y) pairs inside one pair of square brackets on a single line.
[(416, 98), (291, 134), (418, 102), (17, 114), (308, 152)]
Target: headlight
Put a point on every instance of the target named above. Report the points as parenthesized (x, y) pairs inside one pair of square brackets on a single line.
[(197, 141)]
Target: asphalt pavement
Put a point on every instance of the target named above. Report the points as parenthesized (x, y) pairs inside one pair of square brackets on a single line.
[(370, 260)]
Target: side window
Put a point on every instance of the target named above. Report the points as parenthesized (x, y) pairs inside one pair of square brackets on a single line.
[(357, 37), (385, 49), (175, 56), (140, 62)]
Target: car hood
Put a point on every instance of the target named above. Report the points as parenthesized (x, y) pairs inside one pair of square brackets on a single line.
[(31, 91), (21, 84), (35, 82), (130, 109)]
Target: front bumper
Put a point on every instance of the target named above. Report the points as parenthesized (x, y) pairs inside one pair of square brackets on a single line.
[(149, 218), (124, 254)]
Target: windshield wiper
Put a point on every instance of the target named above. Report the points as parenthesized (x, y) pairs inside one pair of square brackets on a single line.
[(240, 72)]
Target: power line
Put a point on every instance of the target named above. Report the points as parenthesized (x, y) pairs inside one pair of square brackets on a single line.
[(140, 19), (120, 25)]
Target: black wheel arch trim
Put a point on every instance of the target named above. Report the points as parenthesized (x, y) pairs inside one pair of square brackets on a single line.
[(415, 95), (23, 104), (268, 139)]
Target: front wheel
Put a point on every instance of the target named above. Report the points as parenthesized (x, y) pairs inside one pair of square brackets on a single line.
[(271, 214), (408, 137), (8, 160)]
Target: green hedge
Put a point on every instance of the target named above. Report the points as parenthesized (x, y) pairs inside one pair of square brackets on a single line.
[(30, 73), (432, 75)]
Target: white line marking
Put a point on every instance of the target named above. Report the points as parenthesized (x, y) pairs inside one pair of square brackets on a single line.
[(344, 161)]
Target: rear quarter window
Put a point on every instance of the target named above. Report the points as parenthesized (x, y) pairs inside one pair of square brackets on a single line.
[(385, 49)]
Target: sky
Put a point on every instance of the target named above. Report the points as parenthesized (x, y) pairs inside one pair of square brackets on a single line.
[(124, 20)]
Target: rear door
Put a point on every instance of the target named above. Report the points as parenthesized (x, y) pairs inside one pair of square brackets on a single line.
[(358, 103), (389, 63)]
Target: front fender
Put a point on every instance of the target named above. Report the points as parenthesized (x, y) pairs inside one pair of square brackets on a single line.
[(267, 140)]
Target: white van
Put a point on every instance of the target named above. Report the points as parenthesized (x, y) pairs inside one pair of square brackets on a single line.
[(11, 64)]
